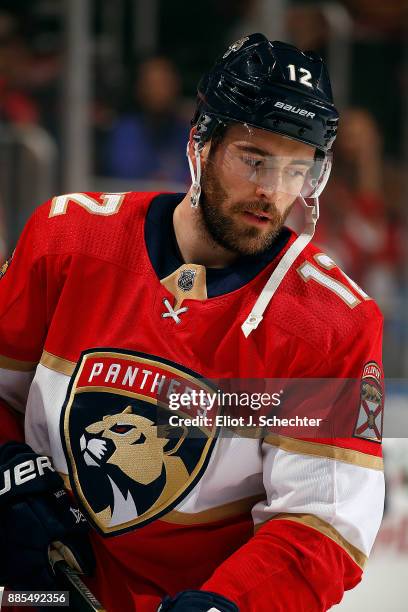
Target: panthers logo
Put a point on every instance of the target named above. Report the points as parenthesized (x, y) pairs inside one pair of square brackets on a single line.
[(127, 465), (369, 424), (130, 443)]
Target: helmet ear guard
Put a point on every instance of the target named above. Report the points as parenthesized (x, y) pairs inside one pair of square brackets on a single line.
[(206, 127), (319, 175)]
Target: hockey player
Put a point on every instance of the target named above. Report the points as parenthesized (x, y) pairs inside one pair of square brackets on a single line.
[(114, 302)]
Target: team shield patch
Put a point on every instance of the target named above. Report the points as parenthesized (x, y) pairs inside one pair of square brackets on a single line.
[(128, 465), (369, 424)]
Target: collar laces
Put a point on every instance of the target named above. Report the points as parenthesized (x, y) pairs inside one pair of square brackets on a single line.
[(171, 312), (267, 293)]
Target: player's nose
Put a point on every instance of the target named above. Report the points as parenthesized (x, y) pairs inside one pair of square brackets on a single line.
[(266, 191), (270, 184)]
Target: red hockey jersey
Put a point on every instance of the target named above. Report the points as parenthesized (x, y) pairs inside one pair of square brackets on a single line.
[(91, 346)]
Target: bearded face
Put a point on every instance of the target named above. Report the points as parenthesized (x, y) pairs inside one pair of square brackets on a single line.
[(222, 219), (244, 215)]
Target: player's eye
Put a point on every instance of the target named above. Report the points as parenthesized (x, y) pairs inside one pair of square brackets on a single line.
[(121, 429), (296, 172), (252, 162)]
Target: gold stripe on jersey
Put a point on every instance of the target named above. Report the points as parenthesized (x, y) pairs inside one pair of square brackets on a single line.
[(231, 509), (58, 364), (7, 363), (346, 455), (313, 521)]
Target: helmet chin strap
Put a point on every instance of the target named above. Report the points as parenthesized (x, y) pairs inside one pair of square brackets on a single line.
[(267, 293), (195, 178)]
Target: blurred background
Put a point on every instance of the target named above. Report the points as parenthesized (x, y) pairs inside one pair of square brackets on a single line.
[(97, 95)]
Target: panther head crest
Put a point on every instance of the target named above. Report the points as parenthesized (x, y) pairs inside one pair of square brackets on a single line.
[(130, 442)]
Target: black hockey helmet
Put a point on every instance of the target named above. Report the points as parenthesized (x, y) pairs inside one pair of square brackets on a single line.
[(268, 85)]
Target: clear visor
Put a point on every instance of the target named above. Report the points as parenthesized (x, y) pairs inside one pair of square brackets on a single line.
[(250, 159)]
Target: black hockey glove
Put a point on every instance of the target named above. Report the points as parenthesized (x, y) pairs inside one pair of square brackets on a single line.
[(36, 511), (197, 601)]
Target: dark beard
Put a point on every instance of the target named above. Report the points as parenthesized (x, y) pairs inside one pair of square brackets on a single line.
[(223, 230)]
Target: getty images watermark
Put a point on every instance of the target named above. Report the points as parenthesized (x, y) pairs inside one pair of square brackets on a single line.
[(202, 402)]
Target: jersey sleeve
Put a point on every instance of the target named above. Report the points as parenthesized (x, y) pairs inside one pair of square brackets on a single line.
[(23, 323), (324, 499)]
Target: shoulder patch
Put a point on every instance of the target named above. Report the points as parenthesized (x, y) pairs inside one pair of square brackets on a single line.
[(369, 425)]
